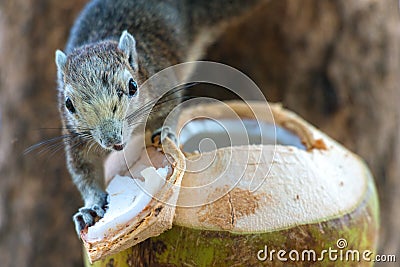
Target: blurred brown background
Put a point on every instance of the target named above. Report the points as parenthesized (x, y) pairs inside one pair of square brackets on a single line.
[(336, 63)]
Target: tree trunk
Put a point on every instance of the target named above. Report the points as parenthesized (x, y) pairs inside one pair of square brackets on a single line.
[(37, 197)]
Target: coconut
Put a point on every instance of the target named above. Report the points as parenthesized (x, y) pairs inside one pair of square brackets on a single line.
[(279, 192)]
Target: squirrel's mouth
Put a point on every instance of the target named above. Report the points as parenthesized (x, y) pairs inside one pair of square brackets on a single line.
[(118, 147)]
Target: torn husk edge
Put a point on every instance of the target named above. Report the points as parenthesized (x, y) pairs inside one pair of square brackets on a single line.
[(154, 219)]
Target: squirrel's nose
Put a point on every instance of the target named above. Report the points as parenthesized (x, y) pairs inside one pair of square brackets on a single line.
[(118, 147), (109, 135), (112, 142)]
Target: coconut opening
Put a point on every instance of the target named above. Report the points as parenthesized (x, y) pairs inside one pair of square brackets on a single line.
[(130, 192), (209, 135)]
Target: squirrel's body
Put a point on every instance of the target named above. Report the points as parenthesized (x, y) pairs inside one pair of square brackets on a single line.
[(103, 66)]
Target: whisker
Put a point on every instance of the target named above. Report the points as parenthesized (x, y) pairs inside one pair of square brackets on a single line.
[(77, 144), (59, 146), (56, 149), (45, 142), (168, 94), (138, 123), (90, 147), (154, 104), (173, 99), (92, 143), (180, 88), (54, 144), (64, 128), (147, 106), (143, 112)]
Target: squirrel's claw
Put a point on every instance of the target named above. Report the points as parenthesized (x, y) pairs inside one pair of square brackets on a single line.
[(88, 216), (161, 133), (79, 223)]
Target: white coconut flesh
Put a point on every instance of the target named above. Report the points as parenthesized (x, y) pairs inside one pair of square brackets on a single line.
[(130, 192), (263, 187), (127, 198)]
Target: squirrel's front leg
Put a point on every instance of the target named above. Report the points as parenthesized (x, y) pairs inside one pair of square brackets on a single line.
[(87, 174)]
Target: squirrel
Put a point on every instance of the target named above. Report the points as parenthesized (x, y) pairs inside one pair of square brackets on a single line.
[(113, 48)]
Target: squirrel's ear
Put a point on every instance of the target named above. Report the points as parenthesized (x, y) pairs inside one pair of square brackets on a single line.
[(61, 61), (127, 44)]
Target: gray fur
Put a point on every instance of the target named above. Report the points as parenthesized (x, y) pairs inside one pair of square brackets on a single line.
[(102, 56), (61, 61), (127, 45)]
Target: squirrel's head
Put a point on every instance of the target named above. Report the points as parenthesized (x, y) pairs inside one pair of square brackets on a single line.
[(98, 83)]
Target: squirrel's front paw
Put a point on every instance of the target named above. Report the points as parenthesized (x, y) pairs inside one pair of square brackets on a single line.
[(161, 133), (88, 216)]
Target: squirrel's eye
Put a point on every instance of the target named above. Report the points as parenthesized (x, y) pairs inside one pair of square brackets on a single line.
[(133, 87), (69, 105)]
